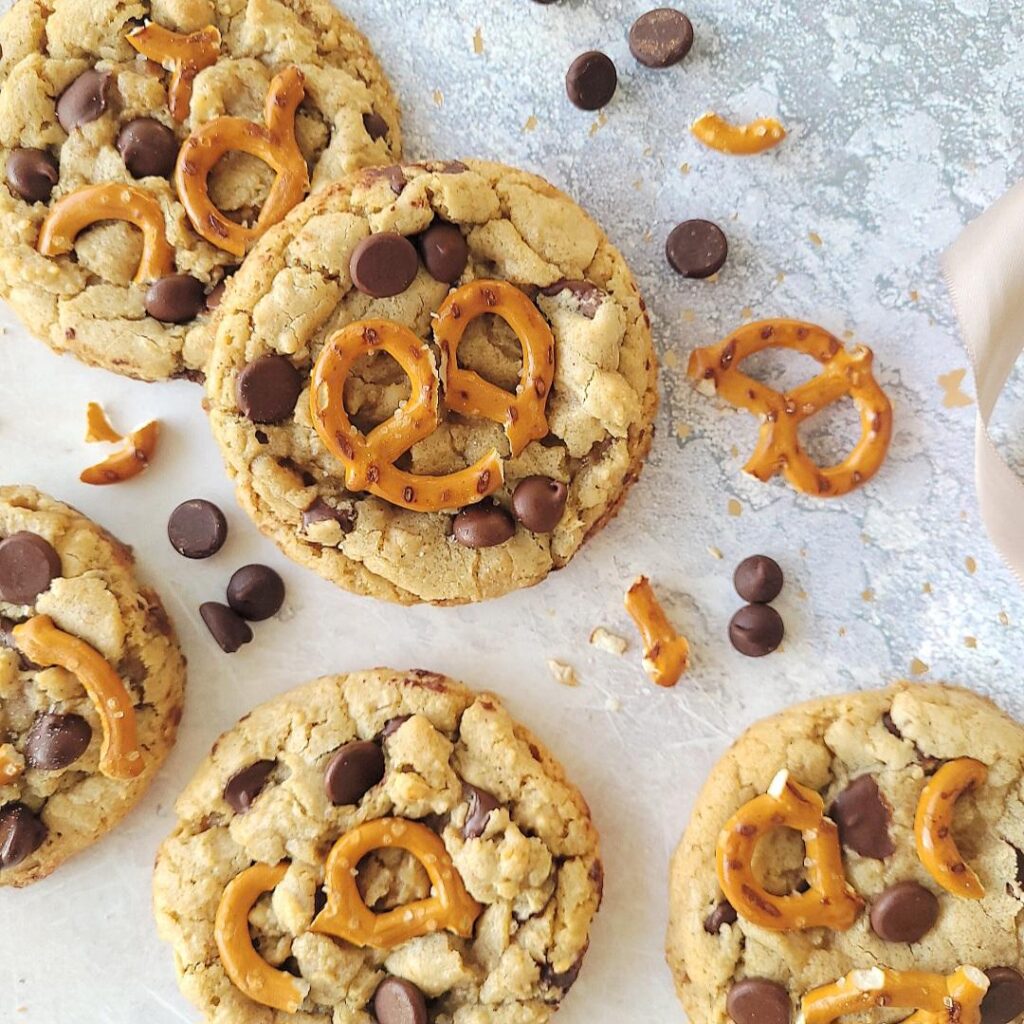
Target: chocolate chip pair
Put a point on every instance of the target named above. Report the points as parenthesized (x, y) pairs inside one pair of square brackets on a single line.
[(537, 502), (757, 629), (255, 592)]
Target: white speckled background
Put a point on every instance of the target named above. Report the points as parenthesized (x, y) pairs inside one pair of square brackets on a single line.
[(904, 122)]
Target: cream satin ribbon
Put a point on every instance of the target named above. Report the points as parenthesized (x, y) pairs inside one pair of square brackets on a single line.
[(984, 270)]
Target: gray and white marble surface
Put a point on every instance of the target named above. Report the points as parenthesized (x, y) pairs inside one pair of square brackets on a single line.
[(905, 121)]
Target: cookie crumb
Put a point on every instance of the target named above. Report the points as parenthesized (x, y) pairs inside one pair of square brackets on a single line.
[(478, 41), (531, 124), (734, 507), (917, 667), (563, 673), (715, 552), (608, 641), (613, 704)]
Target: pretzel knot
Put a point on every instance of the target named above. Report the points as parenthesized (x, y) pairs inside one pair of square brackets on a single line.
[(187, 55), (715, 368), (369, 459), (77, 210), (274, 143), (522, 416), (830, 902), (347, 917)]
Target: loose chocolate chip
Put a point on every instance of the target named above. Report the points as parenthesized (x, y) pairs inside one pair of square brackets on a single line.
[(321, 512), (756, 630), (31, 174), (375, 125), (758, 1001), (243, 787), (1004, 999), (175, 299), (213, 299), (226, 626), (84, 99), (588, 296), (444, 251), (392, 725), (696, 248), (256, 592), (538, 502), (55, 741), (398, 1001), (21, 834), (723, 914), (27, 564), (384, 265), (268, 389), (197, 528), (863, 818), (591, 80), (661, 38), (758, 579), (481, 803), (905, 912), (148, 148), (353, 770), (483, 526)]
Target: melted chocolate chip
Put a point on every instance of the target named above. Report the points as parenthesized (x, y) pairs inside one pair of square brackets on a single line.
[(563, 980), (176, 298), (197, 528), (538, 503), (723, 914), (863, 818), (588, 296), (758, 1001), (384, 264), (84, 100), (256, 592), (321, 512), (31, 174), (55, 741), (355, 769), (905, 912), (375, 125), (21, 834), (244, 786), (481, 803), (148, 148), (28, 563), (392, 725), (268, 389), (483, 526), (226, 626), (444, 252), (398, 1001)]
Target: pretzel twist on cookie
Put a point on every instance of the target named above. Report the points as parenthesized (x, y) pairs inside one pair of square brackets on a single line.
[(186, 55)]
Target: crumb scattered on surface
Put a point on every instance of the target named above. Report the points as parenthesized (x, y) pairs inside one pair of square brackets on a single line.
[(478, 41), (868, 595), (970, 641), (734, 507), (599, 123), (438, 98), (814, 237), (953, 394), (715, 552), (917, 667), (608, 641), (530, 124), (970, 565), (563, 673), (613, 704)]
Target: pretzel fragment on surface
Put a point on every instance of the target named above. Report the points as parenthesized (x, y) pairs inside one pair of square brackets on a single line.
[(666, 653), (131, 460), (184, 54), (715, 132), (98, 426)]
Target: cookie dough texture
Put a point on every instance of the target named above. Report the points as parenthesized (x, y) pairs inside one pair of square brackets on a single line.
[(825, 744), (535, 867), (295, 290), (85, 303), (98, 600)]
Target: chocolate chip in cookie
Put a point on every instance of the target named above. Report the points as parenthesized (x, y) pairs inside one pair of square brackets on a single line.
[(481, 803), (483, 526), (226, 626), (661, 38), (375, 125), (905, 912), (175, 299), (383, 265), (268, 389), (84, 100), (244, 786), (444, 252), (724, 913), (538, 503), (256, 592), (197, 528), (28, 563), (1004, 1000), (392, 725), (591, 80), (148, 148), (56, 741), (758, 1001), (31, 174), (587, 295), (398, 1001), (355, 769), (863, 817), (321, 512), (21, 834)]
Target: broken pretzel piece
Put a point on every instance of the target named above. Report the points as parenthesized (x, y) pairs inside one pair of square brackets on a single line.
[(666, 653), (97, 425), (131, 460), (737, 139)]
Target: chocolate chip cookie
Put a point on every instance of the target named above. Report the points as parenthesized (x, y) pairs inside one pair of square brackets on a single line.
[(146, 145), (373, 842), (909, 801), (91, 684), (432, 382)]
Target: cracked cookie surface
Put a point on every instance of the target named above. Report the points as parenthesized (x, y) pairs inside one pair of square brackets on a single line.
[(86, 303), (899, 737), (50, 731), (529, 856), (296, 288)]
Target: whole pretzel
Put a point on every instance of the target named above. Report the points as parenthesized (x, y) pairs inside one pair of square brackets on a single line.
[(249, 972), (715, 368), (42, 642), (936, 998), (521, 415), (187, 55), (933, 826), (274, 143), (110, 201), (347, 917), (369, 459), (830, 901)]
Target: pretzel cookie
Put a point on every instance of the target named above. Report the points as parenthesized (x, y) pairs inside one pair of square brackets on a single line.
[(91, 684), (857, 854), (146, 144), (375, 841), (433, 382)]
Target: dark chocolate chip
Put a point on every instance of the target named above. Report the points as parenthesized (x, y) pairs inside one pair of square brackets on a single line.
[(84, 99), (905, 912), (758, 1001), (268, 389), (591, 80), (1004, 1000), (353, 770), (392, 725), (444, 252), (256, 592), (216, 294), (890, 726), (862, 817), (244, 786), (723, 914), (175, 299), (321, 512), (226, 626), (588, 296), (21, 834), (398, 1001), (696, 248), (756, 630), (661, 38), (563, 980), (55, 741), (148, 148), (758, 579), (197, 528), (7, 640), (384, 264), (483, 526), (393, 175), (375, 125), (31, 174), (481, 803), (538, 502), (27, 564)]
